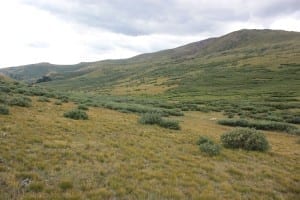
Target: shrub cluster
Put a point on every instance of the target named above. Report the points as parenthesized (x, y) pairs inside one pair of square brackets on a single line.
[(20, 101), (76, 114), (260, 125), (207, 146), (43, 99), (155, 118), (4, 110), (82, 107), (245, 138)]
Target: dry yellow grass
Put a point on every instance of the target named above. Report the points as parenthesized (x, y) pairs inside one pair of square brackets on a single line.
[(112, 156)]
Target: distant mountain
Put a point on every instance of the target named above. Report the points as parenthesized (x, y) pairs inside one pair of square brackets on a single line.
[(239, 60)]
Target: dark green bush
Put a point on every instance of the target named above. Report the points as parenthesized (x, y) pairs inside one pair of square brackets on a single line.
[(155, 118), (76, 114), (3, 99), (207, 146), (82, 107), (261, 125), (5, 88), (4, 110), (203, 140), (210, 149), (294, 120), (150, 118), (170, 124), (245, 138), (20, 101)]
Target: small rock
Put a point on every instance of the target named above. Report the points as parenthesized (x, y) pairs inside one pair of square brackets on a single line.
[(25, 182)]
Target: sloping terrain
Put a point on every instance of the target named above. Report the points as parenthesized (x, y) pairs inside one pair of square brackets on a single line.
[(112, 156), (249, 76), (240, 61)]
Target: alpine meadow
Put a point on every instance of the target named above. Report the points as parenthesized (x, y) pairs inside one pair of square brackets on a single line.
[(213, 119)]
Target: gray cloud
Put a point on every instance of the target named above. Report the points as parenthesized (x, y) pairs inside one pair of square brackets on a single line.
[(142, 17), (70, 31)]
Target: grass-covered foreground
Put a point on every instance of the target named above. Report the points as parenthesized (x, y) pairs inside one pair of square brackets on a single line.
[(44, 155)]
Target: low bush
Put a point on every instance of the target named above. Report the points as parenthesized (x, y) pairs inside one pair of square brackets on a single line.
[(82, 107), (203, 140), (261, 125), (150, 118), (21, 101), (156, 118), (4, 110), (76, 114), (43, 99), (245, 138), (207, 146), (294, 120), (170, 124)]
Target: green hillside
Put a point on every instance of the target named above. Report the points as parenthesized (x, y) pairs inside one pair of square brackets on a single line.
[(247, 73), (215, 119)]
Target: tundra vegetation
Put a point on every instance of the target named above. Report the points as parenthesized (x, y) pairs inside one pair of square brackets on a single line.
[(218, 120)]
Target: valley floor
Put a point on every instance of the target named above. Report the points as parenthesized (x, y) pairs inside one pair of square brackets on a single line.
[(112, 156)]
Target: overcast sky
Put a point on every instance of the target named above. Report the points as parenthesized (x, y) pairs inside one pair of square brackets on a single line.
[(72, 31)]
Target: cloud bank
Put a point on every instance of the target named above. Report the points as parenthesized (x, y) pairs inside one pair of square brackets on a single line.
[(71, 31)]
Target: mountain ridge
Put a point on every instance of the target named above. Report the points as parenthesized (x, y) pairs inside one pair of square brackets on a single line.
[(184, 68)]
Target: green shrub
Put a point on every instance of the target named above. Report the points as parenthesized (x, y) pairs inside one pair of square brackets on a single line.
[(170, 124), (245, 138), (294, 120), (5, 89), (82, 107), (261, 125), (64, 99), (155, 118), (4, 110), (3, 98), (150, 118), (210, 149), (76, 114), (43, 99), (203, 140), (20, 101), (207, 146)]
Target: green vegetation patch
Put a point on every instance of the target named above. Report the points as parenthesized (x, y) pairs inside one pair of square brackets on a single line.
[(260, 125), (21, 101), (82, 107), (155, 118), (43, 99), (245, 138), (76, 114), (4, 110), (208, 147)]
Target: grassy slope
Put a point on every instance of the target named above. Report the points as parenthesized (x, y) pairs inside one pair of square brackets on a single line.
[(238, 62), (111, 155)]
